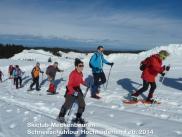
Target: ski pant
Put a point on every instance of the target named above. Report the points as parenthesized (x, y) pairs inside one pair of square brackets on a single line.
[(18, 80), (69, 100), (145, 88), (99, 79), (35, 81)]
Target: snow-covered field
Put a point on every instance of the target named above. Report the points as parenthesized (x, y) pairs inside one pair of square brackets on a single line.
[(21, 112)]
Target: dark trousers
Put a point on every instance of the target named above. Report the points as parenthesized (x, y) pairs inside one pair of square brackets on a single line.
[(145, 88), (69, 100), (18, 80), (99, 79), (35, 81), (1, 79)]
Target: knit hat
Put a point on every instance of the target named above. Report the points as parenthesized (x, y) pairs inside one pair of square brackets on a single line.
[(99, 47), (78, 61), (56, 63), (164, 53)]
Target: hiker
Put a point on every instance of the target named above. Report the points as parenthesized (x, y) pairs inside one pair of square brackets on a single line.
[(74, 93), (10, 71), (17, 75), (1, 75), (51, 74), (35, 76), (151, 67), (96, 64)]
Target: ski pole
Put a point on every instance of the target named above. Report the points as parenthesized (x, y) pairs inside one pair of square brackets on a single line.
[(163, 78), (42, 77), (156, 95), (87, 89), (72, 106), (108, 77)]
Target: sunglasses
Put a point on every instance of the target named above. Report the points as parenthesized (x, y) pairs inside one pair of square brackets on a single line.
[(80, 66), (163, 57)]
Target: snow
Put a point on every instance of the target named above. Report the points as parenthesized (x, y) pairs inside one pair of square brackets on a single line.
[(17, 107)]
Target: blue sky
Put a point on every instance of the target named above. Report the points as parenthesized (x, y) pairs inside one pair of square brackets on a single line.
[(116, 24)]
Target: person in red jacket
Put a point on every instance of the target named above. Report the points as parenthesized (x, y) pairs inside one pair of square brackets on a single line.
[(74, 91), (152, 66)]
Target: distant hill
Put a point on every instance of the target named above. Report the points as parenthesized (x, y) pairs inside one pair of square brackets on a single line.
[(9, 50)]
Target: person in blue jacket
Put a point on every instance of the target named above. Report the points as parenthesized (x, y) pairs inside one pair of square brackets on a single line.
[(96, 63)]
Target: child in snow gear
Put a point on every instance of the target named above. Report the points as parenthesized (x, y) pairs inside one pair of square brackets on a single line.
[(51, 74), (1, 74), (74, 93), (152, 66), (96, 64), (35, 76), (17, 74)]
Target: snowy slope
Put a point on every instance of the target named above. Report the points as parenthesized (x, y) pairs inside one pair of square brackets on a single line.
[(17, 107)]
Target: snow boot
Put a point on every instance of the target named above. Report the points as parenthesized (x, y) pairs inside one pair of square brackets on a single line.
[(134, 96), (151, 100), (38, 89), (95, 97), (79, 121), (61, 119)]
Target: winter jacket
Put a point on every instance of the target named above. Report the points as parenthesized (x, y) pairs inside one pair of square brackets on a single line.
[(36, 71), (1, 73), (17, 73), (97, 60), (153, 69), (11, 68), (51, 71), (75, 79)]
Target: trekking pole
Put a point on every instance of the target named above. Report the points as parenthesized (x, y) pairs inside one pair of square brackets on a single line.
[(42, 77), (72, 106), (41, 81), (163, 78), (108, 77), (87, 89), (74, 101), (156, 96)]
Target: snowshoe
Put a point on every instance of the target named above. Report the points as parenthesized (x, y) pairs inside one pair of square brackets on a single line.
[(150, 101), (130, 101), (61, 119), (79, 121), (52, 93), (31, 89), (95, 97), (38, 89), (134, 98)]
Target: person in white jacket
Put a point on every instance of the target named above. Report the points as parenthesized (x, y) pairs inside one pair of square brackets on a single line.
[(17, 74)]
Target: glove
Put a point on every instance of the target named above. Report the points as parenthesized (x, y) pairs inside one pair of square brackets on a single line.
[(163, 74), (75, 94), (111, 64), (167, 68)]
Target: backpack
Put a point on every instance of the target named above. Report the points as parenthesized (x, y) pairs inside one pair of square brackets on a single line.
[(35, 72), (145, 64), (90, 65)]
